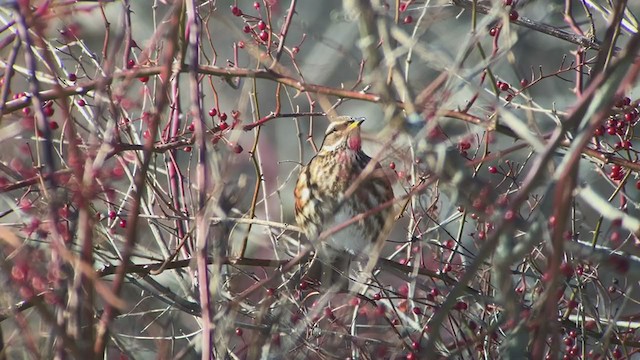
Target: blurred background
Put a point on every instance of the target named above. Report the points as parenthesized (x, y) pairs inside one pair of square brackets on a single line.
[(486, 86)]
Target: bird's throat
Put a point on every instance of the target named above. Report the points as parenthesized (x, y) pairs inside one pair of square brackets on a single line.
[(354, 142)]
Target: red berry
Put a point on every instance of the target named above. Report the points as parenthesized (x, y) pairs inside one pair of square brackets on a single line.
[(568, 341), (256, 5), (236, 148), (503, 86), (524, 82), (53, 125), (493, 169), (408, 19), (416, 310), (144, 79), (241, 44), (392, 165), (130, 64), (123, 223), (513, 15), (187, 149), (117, 171), (509, 215), (402, 7), (239, 331), (328, 313), (246, 29), (264, 36), (461, 305), (630, 116), (48, 111), (72, 77), (223, 116), (614, 237), (112, 215), (236, 10), (616, 353), (81, 102), (493, 31), (508, 2), (191, 127), (223, 126), (213, 112), (611, 130), (295, 50), (377, 296), (26, 111), (262, 25)]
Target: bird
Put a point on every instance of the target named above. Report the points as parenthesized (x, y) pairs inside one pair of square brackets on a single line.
[(334, 187)]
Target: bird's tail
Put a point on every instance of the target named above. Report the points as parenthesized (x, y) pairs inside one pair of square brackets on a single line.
[(330, 268)]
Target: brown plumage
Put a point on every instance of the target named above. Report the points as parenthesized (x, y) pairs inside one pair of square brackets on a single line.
[(321, 204)]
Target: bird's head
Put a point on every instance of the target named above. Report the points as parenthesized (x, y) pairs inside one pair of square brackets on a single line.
[(343, 133)]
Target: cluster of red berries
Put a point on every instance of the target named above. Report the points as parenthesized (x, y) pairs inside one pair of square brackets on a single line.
[(619, 123), (616, 173), (463, 146), (254, 25), (27, 279), (222, 126)]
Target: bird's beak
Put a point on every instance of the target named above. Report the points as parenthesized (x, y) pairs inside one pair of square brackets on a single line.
[(356, 124)]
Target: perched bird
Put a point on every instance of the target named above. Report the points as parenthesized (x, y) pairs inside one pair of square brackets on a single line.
[(324, 200)]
